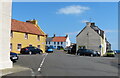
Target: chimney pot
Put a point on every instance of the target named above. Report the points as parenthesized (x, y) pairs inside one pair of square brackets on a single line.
[(88, 23), (93, 24)]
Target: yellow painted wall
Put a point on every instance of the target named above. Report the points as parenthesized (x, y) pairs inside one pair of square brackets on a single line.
[(18, 38)]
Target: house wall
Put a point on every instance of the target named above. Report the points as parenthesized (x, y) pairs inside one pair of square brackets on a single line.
[(64, 45), (68, 42), (52, 44), (18, 38), (5, 26), (91, 40)]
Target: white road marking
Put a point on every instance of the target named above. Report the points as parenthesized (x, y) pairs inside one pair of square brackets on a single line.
[(39, 69)]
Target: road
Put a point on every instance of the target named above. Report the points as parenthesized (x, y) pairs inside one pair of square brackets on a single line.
[(61, 64)]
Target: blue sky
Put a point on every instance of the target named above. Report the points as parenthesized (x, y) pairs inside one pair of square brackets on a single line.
[(64, 18)]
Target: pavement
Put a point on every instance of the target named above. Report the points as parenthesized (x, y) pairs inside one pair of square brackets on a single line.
[(16, 71), (65, 65)]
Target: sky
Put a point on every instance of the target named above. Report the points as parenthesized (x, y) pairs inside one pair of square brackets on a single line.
[(70, 18)]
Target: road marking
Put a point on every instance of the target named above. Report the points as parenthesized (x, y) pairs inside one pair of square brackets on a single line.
[(39, 69)]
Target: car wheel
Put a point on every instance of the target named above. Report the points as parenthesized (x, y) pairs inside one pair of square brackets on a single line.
[(79, 54), (91, 55), (30, 52)]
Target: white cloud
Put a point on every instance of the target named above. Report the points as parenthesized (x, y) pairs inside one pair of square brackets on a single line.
[(72, 33), (74, 9), (110, 31), (84, 21)]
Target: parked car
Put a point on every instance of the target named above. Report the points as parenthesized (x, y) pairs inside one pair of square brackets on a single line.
[(71, 49), (13, 57), (67, 48), (49, 50), (110, 53), (31, 50), (98, 53), (117, 51), (87, 52)]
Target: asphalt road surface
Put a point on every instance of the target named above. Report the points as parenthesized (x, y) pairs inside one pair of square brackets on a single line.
[(59, 63)]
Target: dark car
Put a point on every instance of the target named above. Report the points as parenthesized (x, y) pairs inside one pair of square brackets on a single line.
[(67, 48), (31, 50), (13, 57), (87, 52), (72, 49)]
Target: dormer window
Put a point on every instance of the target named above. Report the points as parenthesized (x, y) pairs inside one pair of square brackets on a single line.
[(26, 36)]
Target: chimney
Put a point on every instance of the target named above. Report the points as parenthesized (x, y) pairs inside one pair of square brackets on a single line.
[(54, 35), (92, 24), (88, 23), (66, 35), (33, 21)]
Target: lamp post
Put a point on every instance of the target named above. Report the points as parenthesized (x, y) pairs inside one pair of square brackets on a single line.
[(5, 28)]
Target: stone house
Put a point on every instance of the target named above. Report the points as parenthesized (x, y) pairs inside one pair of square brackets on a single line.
[(92, 37)]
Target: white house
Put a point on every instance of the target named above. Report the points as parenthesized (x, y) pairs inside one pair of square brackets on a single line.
[(58, 41), (92, 37)]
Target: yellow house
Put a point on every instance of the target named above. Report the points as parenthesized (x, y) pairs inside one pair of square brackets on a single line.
[(26, 33)]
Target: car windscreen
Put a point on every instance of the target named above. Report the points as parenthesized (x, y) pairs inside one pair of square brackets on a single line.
[(109, 51)]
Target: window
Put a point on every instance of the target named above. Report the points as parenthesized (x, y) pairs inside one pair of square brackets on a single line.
[(58, 43), (26, 36), (10, 46), (11, 34), (54, 42), (38, 37), (19, 47), (46, 42), (49, 42), (61, 43), (38, 46), (30, 44)]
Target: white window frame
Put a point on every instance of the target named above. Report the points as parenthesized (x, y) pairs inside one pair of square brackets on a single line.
[(19, 47), (10, 46), (26, 35)]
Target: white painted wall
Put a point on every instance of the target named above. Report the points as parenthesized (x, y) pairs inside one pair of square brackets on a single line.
[(68, 41), (5, 28), (65, 44)]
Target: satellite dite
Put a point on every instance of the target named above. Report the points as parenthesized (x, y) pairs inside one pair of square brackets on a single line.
[(5, 27)]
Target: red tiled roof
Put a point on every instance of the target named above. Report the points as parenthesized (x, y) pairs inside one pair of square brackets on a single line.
[(25, 27), (59, 39)]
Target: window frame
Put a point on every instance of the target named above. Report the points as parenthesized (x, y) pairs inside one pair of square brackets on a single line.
[(19, 47), (38, 37), (26, 36)]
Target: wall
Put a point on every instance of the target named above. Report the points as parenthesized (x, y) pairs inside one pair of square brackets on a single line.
[(91, 41), (18, 38), (5, 26)]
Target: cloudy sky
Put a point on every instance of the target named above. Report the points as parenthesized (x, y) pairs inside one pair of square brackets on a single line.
[(63, 18)]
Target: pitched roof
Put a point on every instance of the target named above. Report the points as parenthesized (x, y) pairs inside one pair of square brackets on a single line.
[(25, 27), (96, 29), (49, 39), (59, 39)]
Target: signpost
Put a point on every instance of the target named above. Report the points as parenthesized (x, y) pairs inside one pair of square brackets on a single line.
[(5, 28)]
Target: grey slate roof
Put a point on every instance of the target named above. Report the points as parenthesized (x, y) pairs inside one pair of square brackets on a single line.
[(96, 29), (49, 39)]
